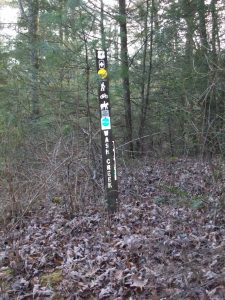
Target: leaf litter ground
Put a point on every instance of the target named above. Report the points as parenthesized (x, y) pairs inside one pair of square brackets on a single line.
[(166, 242)]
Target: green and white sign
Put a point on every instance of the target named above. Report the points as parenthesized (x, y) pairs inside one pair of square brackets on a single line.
[(105, 123)]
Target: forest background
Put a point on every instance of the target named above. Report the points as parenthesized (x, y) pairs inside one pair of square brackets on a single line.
[(167, 89), (166, 66)]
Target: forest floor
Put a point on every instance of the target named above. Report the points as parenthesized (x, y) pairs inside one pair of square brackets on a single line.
[(166, 242)]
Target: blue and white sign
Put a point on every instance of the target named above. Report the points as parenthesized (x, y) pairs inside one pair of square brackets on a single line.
[(105, 123)]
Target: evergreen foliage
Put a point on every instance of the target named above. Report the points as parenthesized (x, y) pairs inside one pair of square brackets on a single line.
[(175, 65)]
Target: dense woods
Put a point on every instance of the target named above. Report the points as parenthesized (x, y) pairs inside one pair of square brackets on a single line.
[(166, 72), (166, 66)]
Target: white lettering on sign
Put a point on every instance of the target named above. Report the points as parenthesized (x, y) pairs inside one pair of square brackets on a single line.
[(104, 96), (106, 133), (104, 105), (101, 54), (101, 64), (106, 151), (103, 87), (109, 176), (107, 145), (106, 140)]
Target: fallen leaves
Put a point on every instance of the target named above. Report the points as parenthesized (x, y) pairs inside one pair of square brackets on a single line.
[(159, 246)]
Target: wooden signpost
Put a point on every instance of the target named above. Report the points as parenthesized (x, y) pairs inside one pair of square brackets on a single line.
[(108, 145)]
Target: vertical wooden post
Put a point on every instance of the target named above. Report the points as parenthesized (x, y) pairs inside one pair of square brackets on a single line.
[(108, 146)]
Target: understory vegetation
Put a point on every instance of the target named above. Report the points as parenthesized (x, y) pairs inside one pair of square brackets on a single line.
[(166, 71), (166, 241)]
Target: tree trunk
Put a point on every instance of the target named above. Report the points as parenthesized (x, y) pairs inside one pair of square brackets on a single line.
[(125, 74), (102, 27), (188, 13), (143, 83), (215, 95), (146, 96), (207, 101), (33, 31)]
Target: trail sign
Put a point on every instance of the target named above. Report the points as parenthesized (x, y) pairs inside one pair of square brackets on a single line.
[(108, 145)]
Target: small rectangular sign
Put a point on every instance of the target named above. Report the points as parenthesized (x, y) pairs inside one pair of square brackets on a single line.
[(105, 123)]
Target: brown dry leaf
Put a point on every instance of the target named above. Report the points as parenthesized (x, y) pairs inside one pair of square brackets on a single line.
[(138, 282), (91, 272), (119, 275), (157, 238), (217, 293)]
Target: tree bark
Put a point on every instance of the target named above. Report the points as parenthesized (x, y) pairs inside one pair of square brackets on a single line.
[(103, 40), (216, 96), (146, 76), (189, 13), (125, 75), (207, 100), (33, 31)]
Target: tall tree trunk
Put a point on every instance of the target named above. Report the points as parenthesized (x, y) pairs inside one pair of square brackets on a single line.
[(211, 121), (93, 158), (146, 76), (215, 31), (125, 74), (61, 71), (102, 27), (188, 13), (207, 101), (215, 95), (202, 25), (33, 31), (143, 82)]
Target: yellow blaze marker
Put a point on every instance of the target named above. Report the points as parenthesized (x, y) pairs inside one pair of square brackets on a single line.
[(102, 73)]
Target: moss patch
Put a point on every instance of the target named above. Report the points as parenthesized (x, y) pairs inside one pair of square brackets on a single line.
[(51, 279), (5, 274)]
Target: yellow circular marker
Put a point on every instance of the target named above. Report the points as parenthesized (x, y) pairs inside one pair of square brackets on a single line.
[(102, 73)]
